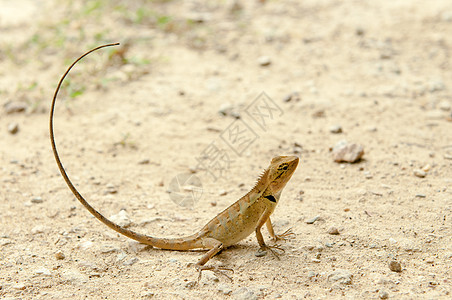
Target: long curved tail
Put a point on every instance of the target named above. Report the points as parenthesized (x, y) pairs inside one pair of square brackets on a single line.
[(184, 243)]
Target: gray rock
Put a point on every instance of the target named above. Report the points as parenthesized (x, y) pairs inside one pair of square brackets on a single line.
[(312, 220), (12, 107), (340, 276), (225, 289), (347, 152), (130, 261), (121, 218), (36, 199), (244, 294)]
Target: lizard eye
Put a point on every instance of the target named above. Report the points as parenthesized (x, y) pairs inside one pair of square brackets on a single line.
[(284, 168)]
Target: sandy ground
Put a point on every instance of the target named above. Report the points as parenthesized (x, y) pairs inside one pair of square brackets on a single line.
[(129, 120)]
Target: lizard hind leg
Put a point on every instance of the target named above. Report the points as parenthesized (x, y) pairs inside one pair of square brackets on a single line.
[(215, 247)]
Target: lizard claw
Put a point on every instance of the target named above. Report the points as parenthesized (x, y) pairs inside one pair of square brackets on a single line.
[(288, 234), (263, 251), (217, 270)]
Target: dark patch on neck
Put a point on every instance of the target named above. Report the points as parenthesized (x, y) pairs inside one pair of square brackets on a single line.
[(271, 198)]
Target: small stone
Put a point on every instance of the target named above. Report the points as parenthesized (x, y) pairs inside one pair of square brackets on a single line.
[(84, 245), (419, 173), (36, 199), (426, 168), (336, 129), (341, 276), (38, 229), (225, 289), (444, 105), (59, 255), (19, 286), (130, 262), (311, 274), (111, 189), (420, 196), (312, 220), (392, 241), (13, 128), (121, 218), (316, 260), (292, 97), (244, 294), (15, 107), (190, 284), (264, 61), (395, 266), (145, 161), (43, 271), (345, 152), (333, 231), (223, 193), (383, 295)]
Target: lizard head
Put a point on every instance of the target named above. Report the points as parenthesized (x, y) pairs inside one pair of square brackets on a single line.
[(280, 171)]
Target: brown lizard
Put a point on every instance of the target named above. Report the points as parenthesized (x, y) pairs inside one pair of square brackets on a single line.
[(232, 225)]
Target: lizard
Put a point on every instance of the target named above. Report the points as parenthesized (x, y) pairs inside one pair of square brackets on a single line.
[(238, 221)]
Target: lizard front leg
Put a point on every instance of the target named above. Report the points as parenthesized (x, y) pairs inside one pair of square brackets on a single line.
[(260, 239), (276, 237), (215, 246)]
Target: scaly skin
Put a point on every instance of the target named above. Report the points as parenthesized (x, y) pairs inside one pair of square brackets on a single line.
[(232, 225)]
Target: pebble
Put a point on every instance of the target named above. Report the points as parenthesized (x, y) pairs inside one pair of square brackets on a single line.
[(311, 274), (264, 61), (225, 289), (419, 173), (121, 218), (223, 193), (36, 199), (145, 161), (336, 129), (426, 168), (227, 109), (244, 294), (395, 266), (444, 105), (130, 262), (84, 245), (346, 152), (43, 271), (316, 260), (111, 189), (333, 231), (13, 128), (38, 229), (295, 96), (340, 276), (15, 107), (59, 255), (392, 241), (312, 221), (19, 286), (383, 295), (420, 196)]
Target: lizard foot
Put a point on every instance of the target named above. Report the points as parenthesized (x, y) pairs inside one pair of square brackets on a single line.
[(263, 251), (288, 234), (217, 270)]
